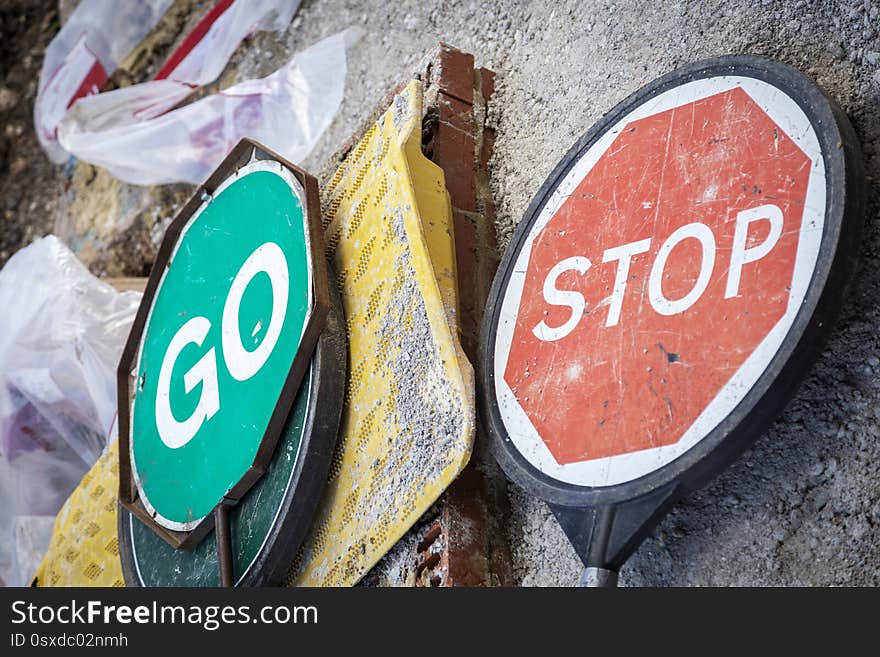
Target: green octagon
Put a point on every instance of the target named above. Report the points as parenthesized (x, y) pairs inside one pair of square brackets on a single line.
[(220, 339)]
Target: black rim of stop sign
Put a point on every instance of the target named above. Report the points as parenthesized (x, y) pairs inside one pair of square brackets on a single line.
[(606, 523)]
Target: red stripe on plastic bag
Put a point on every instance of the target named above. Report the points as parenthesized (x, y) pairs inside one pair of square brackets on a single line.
[(190, 42)]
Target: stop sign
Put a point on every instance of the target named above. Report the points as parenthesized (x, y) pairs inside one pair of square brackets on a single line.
[(668, 284), (224, 334)]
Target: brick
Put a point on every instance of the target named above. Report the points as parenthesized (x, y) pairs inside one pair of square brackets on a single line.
[(454, 149), (468, 247), (466, 544), (452, 72)]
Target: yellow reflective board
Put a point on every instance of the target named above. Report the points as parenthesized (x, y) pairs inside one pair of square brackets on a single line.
[(84, 550), (408, 419)]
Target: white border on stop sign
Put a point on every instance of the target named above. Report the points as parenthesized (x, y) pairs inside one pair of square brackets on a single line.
[(618, 469)]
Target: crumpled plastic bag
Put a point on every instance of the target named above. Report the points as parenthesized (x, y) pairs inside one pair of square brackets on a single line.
[(287, 111), (61, 336), (99, 34), (203, 55), (83, 54), (135, 133)]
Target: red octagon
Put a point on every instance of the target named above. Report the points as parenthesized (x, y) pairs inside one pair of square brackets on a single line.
[(718, 188)]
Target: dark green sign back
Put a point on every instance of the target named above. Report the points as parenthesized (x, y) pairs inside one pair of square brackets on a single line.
[(159, 564)]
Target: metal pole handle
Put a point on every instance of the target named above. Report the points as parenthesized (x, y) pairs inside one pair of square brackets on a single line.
[(224, 544), (594, 577)]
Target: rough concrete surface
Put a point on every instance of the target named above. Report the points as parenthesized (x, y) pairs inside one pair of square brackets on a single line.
[(803, 506)]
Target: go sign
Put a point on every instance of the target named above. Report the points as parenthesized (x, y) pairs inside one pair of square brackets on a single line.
[(240, 363), (225, 332), (666, 290)]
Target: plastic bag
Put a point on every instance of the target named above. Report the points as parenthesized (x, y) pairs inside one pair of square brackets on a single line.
[(287, 111), (61, 336), (83, 54), (98, 36), (201, 58)]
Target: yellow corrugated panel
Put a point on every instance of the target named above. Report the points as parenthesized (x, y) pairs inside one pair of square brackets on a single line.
[(84, 550), (408, 420)]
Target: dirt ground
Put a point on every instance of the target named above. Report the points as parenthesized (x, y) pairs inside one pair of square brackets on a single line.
[(800, 508)]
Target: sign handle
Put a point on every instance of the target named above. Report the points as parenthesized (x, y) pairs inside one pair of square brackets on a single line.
[(594, 577), (224, 543), (605, 536)]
